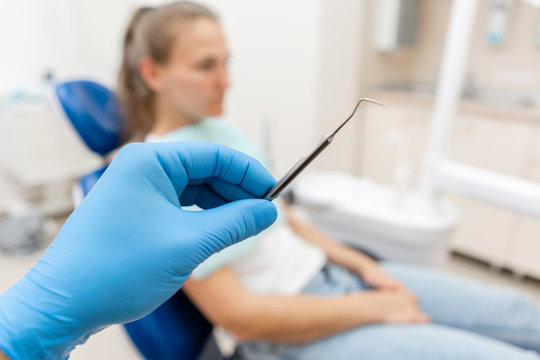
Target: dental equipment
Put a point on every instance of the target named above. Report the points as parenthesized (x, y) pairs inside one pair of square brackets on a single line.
[(303, 163)]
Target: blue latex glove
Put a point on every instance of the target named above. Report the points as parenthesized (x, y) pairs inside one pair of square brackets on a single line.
[(129, 247)]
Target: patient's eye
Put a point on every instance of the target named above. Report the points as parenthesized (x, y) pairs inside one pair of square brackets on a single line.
[(207, 64)]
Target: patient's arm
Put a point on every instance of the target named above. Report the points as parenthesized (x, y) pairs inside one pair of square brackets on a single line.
[(224, 301), (343, 255)]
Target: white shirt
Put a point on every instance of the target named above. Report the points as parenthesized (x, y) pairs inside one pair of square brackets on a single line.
[(282, 263)]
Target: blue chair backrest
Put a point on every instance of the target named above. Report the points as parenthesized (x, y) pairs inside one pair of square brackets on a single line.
[(94, 112), (175, 330)]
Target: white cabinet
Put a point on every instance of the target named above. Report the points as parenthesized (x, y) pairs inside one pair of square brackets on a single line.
[(525, 255), (484, 232), (498, 145), (487, 232)]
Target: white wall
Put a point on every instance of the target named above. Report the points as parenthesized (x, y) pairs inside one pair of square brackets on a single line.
[(340, 83), (99, 27), (275, 48), (71, 38), (35, 35)]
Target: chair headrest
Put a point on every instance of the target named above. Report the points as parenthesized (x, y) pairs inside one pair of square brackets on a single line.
[(94, 112), (88, 181)]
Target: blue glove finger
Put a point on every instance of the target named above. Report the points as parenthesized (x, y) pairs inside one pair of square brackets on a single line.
[(207, 195), (230, 223), (201, 195), (207, 160), (230, 191)]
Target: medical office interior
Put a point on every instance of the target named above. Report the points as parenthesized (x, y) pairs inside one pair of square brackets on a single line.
[(446, 175)]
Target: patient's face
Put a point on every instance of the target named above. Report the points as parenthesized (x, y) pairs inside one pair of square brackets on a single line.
[(195, 78)]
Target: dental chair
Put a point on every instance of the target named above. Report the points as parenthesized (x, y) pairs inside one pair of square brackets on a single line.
[(175, 330)]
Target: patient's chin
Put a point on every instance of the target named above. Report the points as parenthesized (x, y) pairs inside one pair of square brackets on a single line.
[(215, 110)]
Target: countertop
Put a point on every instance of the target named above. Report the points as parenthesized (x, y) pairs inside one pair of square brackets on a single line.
[(467, 107)]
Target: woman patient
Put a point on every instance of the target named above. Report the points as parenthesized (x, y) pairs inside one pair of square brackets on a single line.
[(293, 292)]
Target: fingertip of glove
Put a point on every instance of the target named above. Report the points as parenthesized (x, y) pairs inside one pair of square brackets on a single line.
[(264, 214)]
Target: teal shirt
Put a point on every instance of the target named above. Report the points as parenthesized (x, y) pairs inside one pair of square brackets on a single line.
[(217, 131), (214, 130)]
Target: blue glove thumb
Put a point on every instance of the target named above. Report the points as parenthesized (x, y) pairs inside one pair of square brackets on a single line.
[(230, 223)]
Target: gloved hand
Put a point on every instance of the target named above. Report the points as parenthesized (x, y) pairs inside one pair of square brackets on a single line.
[(129, 246)]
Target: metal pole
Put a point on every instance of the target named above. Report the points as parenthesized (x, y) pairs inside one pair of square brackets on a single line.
[(451, 77)]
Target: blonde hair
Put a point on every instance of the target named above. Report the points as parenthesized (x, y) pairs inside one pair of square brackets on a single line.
[(149, 33)]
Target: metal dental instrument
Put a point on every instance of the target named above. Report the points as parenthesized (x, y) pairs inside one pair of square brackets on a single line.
[(306, 160)]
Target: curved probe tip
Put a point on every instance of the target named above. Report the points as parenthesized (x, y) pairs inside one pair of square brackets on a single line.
[(371, 101)]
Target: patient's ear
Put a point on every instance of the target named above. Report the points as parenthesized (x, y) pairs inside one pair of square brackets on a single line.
[(151, 73)]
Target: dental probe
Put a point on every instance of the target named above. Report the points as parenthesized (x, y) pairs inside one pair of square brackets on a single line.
[(306, 160)]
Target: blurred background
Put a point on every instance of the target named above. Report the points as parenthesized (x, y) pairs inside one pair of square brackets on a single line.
[(297, 68)]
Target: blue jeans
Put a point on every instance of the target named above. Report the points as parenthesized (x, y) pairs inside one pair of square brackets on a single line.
[(469, 321)]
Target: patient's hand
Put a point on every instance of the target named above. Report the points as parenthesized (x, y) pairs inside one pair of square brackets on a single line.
[(375, 276), (396, 306)]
